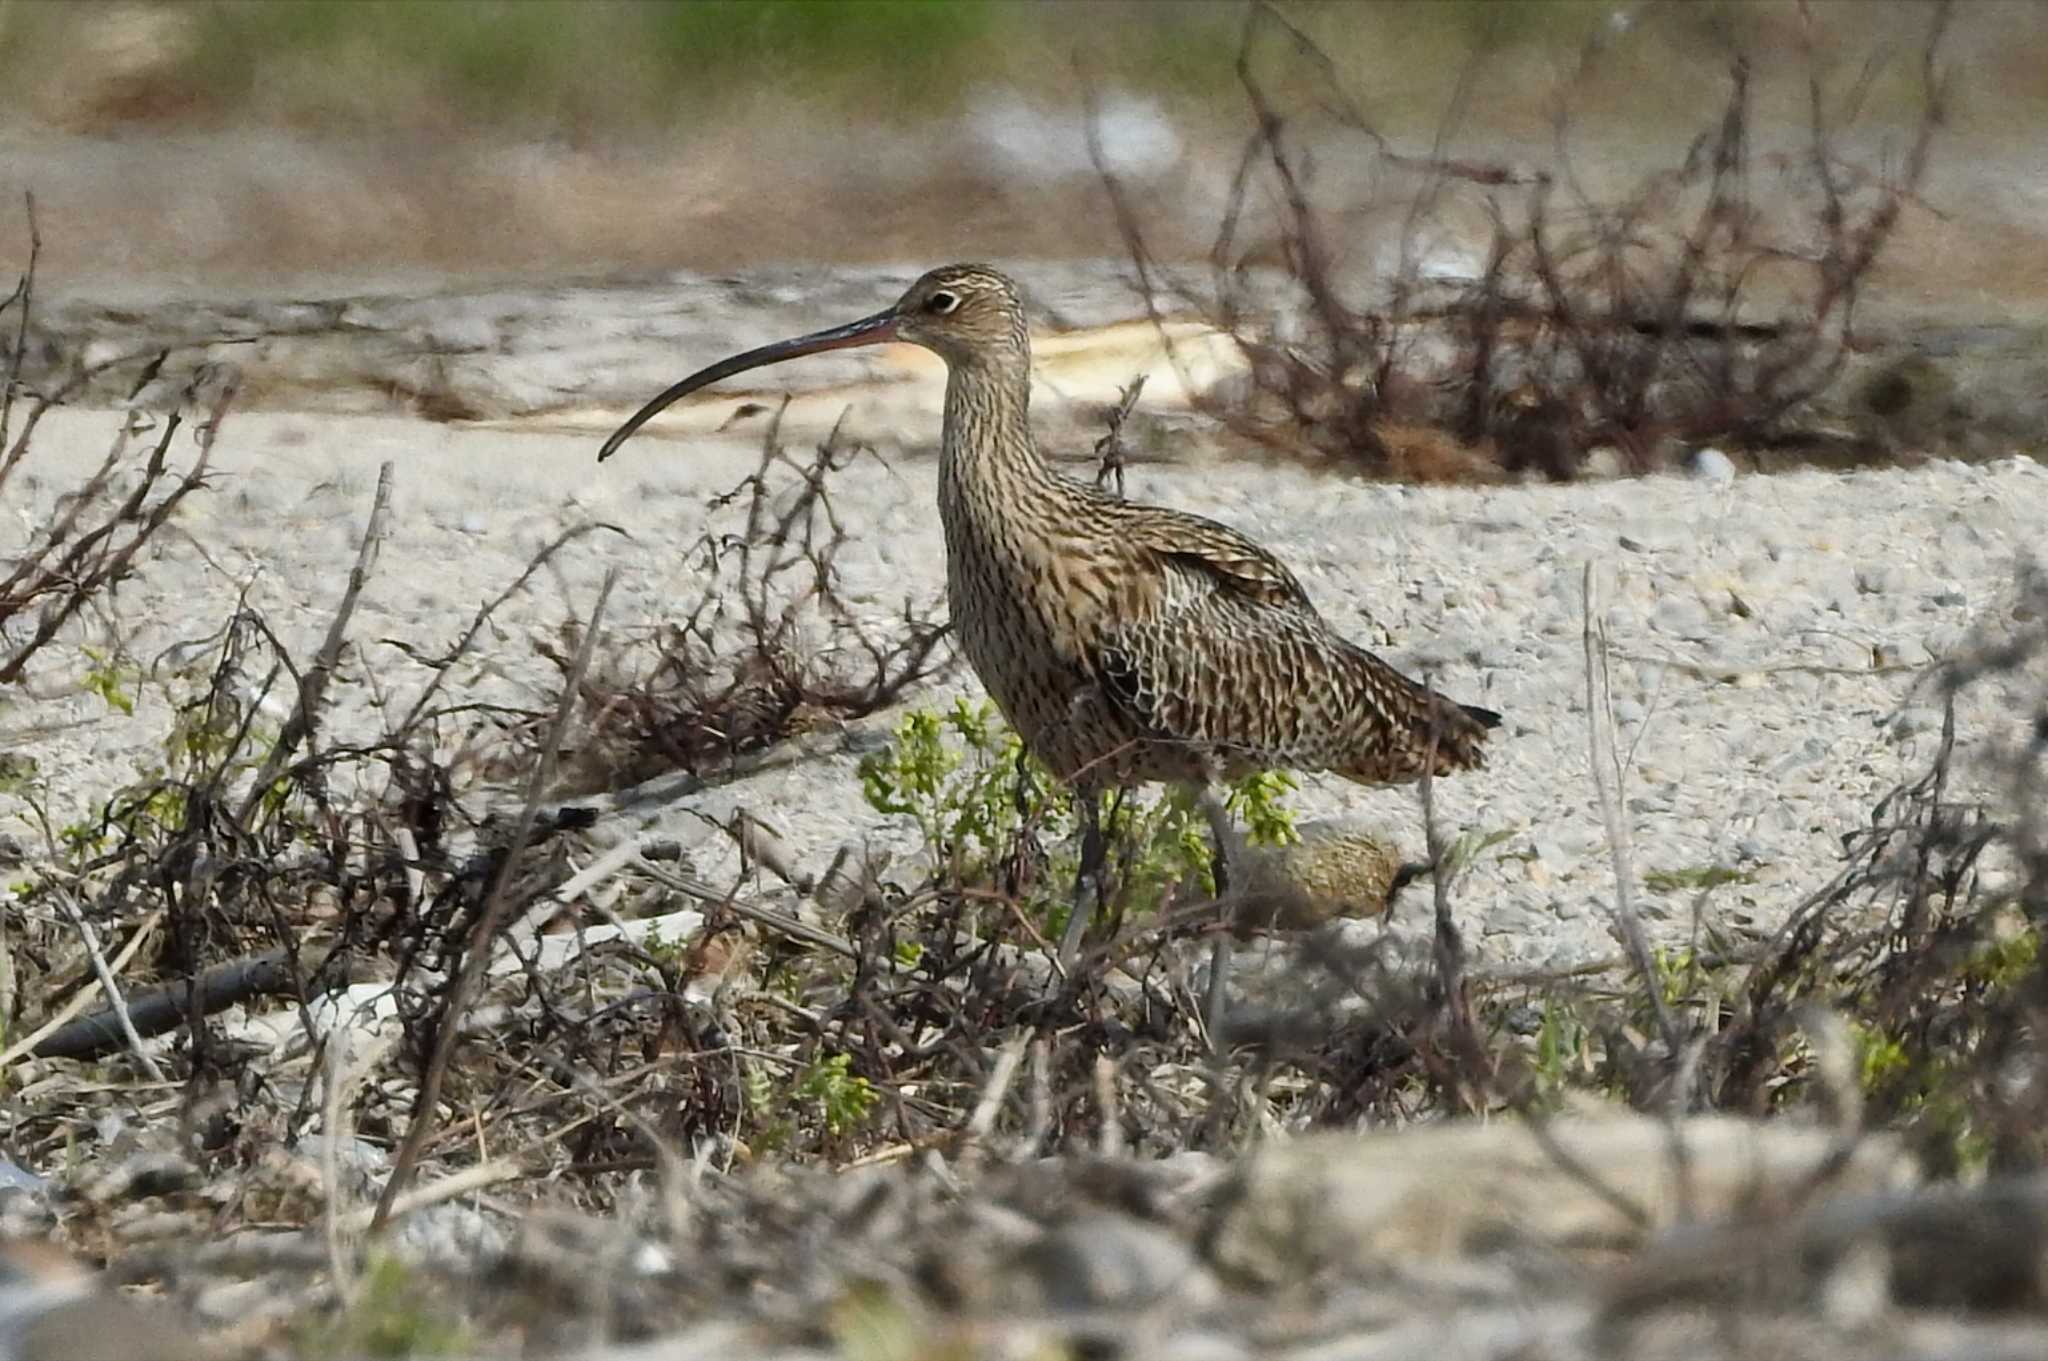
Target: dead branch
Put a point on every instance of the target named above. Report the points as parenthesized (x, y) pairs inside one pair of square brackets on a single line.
[(73, 560), (768, 649), (1628, 320), (496, 905), (304, 723), (22, 299), (159, 1010)]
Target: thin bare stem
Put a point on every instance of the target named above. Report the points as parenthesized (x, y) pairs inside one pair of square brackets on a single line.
[(1608, 779), (305, 720), (476, 958), (23, 297), (119, 1005)]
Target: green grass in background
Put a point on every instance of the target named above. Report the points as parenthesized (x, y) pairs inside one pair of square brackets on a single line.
[(510, 61), (637, 68)]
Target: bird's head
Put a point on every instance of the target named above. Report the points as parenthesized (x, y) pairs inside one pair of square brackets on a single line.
[(962, 313)]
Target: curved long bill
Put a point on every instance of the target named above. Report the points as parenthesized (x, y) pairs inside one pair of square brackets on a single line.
[(873, 330)]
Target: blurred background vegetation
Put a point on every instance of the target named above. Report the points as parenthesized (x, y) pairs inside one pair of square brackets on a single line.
[(186, 142), (592, 70)]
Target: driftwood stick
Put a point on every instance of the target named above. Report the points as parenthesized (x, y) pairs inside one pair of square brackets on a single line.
[(780, 922), (161, 1009), (26, 1047)]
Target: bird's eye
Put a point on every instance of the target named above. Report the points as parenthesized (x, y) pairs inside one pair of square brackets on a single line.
[(939, 304)]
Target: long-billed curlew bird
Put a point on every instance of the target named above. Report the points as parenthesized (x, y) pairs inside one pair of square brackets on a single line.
[(1123, 642)]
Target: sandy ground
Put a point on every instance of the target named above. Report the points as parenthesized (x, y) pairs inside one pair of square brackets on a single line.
[(1770, 634)]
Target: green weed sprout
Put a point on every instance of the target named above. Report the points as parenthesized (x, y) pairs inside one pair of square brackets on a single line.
[(963, 777)]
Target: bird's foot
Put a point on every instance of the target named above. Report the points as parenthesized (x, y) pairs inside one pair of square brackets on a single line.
[(1088, 886)]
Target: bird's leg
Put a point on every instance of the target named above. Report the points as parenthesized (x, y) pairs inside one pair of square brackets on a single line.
[(1093, 855), (1226, 847)]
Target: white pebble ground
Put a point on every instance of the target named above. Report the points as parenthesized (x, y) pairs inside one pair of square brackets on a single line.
[(1769, 634)]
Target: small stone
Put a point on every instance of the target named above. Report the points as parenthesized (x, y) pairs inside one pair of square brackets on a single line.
[(94, 1322), (1856, 1291), (18, 1182), (1102, 1261), (1959, 537), (1681, 616), (1517, 922), (1912, 722), (1332, 1209), (1603, 464), (1712, 466), (1943, 642), (1949, 598), (473, 522), (1874, 579)]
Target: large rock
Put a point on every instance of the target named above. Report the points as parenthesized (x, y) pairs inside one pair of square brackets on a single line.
[(1338, 1203)]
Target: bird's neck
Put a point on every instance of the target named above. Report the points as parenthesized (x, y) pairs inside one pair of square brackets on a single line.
[(987, 456)]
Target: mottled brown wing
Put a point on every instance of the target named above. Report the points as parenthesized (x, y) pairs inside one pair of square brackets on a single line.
[(1247, 676), (1232, 562)]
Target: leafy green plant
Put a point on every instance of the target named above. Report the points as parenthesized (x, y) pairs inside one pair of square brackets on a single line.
[(772, 1127), (1695, 877), (662, 949), (1929, 1091), (1259, 799), (1933, 1087), (108, 679), (1562, 1053), (825, 1094), (392, 1315), (963, 777), (841, 1098), (953, 772), (1468, 846), (214, 743)]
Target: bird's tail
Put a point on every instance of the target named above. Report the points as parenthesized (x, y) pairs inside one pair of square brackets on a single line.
[(1458, 733), (1405, 727), (1485, 718)]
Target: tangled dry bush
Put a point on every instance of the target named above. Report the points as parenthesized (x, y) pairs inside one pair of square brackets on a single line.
[(767, 649), (91, 545), (1713, 300), (1904, 994)]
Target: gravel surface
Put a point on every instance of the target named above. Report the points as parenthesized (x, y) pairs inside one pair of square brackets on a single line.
[(1769, 636)]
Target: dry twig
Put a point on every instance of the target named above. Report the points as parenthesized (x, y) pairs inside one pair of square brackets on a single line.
[(477, 956)]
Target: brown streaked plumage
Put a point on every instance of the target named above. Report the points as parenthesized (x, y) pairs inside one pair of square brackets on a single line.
[(1124, 642)]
